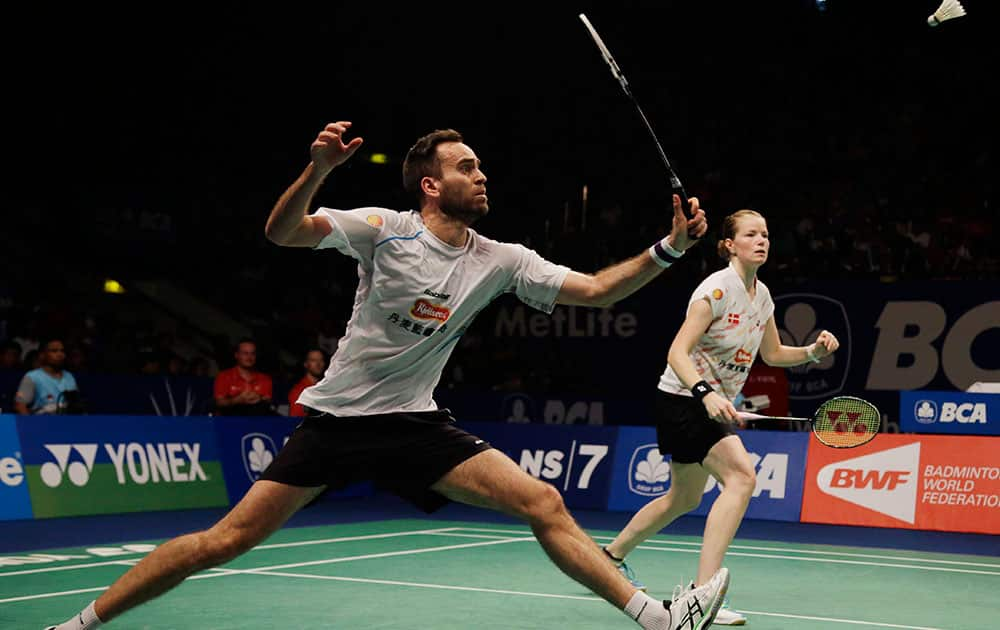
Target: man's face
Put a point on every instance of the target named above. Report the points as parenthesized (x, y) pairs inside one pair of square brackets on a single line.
[(54, 354), (246, 355), (462, 183), (315, 364)]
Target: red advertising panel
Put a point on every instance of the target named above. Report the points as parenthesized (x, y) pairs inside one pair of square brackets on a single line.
[(948, 483)]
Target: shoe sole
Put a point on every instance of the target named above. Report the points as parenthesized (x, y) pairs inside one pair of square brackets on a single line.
[(716, 605)]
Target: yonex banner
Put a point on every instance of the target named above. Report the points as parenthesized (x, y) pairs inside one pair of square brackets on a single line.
[(14, 500), (110, 464), (949, 412), (642, 473), (949, 483), (576, 460)]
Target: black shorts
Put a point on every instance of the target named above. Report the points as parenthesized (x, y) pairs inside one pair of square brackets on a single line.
[(404, 453), (684, 429)]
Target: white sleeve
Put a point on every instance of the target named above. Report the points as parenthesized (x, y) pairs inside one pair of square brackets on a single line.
[(713, 290), (536, 281), (25, 391), (356, 232)]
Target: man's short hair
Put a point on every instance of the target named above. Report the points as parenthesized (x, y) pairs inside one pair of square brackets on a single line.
[(422, 159), (242, 341), (43, 346)]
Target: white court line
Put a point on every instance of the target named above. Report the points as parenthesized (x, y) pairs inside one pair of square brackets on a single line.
[(828, 561), (557, 596), (775, 549), (272, 571), (835, 620), (321, 541), (60, 593), (424, 585), (224, 572), (89, 565)]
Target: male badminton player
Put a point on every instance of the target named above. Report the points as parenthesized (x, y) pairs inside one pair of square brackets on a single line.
[(730, 318), (424, 275)]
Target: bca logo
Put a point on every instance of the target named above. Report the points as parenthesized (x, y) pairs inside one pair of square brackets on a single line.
[(925, 411), (258, 452), (648, 473), (964, 413), (800, 318)]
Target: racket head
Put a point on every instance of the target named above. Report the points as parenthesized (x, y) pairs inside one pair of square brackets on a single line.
[(846, 422)]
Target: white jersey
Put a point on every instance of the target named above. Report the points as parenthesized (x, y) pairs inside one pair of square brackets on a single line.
[(416, 296), (724, 353)]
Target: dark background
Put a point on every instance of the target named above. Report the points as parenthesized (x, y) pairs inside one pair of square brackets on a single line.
[(149, 142)]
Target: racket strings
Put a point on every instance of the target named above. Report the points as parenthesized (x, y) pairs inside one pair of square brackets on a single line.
[(845, 422)]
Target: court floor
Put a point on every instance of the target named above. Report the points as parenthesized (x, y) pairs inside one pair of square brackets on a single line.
[(461, 575)]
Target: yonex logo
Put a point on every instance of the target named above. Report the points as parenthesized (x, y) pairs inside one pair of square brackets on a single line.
[(258, 452), (648, 472), (925, 411), (78, 472), (140, 463), (885, 482)]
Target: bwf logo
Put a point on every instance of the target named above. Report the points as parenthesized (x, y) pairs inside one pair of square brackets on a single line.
[(258, 452), (885, 482)]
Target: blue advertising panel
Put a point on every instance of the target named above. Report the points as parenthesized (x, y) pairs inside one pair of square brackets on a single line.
[(111, 464), (575, 459), (14, 500), (925, 411), (641, 473), (247, 446)]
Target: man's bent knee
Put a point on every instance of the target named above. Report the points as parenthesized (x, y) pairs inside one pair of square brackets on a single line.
[(220, 545), (546, 504)]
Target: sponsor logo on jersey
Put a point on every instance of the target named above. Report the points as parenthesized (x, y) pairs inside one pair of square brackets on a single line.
[(717, 294), (742, 356), (375, 221), (733, 318), (423, 309), (435, 294)]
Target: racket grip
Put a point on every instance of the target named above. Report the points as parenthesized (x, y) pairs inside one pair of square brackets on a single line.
[(678, 190)]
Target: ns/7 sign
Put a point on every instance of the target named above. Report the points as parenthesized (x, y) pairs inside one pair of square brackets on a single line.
[(552, 464)]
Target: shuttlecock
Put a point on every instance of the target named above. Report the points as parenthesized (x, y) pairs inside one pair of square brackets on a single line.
[(948, 10)]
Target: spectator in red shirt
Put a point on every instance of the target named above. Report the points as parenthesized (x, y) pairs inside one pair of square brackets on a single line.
[(242, 390), (315, 365)]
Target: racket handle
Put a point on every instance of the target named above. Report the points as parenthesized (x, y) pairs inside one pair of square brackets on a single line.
[(678, 189)]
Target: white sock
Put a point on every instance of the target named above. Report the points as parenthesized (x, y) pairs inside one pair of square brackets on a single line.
[(648, 612), (85, 620)]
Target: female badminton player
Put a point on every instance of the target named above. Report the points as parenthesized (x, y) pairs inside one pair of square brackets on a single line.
[(730, 318)]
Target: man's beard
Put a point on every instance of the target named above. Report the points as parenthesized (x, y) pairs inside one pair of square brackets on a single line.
[(466, 214)]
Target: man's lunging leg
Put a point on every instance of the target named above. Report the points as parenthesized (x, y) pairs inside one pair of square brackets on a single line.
[(263, 510)]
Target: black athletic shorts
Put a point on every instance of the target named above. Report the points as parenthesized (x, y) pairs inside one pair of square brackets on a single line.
[(684, 429), (404, 453)]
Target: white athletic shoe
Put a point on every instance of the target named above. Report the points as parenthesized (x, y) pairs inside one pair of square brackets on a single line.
[(696, 608), (729, 617)]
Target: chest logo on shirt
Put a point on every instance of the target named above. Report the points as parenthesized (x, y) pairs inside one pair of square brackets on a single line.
[(717, 294), (742, 356), (422, 309), (375, 221), (733, 319)]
